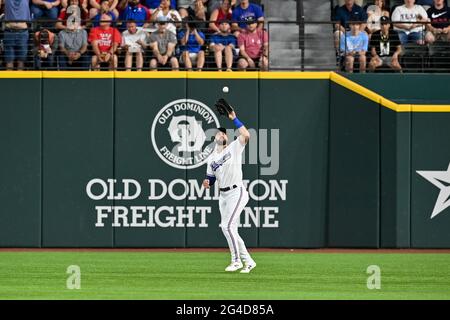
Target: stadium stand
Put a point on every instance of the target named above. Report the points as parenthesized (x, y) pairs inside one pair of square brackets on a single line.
[(58, 34)]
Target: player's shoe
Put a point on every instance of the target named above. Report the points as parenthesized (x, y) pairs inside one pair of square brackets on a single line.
[(248, 267), (234, 266)]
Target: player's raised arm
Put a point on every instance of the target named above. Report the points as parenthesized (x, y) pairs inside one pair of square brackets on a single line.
[(224, 108), (244, 134)]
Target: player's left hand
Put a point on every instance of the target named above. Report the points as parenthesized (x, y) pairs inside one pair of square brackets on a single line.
[(206, 184), (232, 115)]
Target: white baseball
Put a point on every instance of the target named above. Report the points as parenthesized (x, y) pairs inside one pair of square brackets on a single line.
[(225, 89)]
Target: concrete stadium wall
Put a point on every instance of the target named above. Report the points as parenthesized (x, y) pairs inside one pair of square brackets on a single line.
[(346, 175)]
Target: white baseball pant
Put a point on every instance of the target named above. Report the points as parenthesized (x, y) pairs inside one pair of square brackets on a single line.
[(231, 204)]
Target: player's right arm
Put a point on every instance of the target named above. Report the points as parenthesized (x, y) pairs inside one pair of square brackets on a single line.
[(210, 177), (244, 133)]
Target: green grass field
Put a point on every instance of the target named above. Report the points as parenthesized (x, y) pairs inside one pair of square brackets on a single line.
[(200, 275)]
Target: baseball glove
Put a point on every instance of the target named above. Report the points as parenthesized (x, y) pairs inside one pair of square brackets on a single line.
[(223, 107)]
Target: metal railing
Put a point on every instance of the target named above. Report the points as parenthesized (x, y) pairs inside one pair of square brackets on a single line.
[(317, 49), (293, 45), (52, 60)]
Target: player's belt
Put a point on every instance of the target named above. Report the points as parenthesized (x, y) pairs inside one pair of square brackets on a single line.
[(228, 188)]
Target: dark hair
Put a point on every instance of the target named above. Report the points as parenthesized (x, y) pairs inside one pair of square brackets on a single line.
[(190, 22), (222, 129)]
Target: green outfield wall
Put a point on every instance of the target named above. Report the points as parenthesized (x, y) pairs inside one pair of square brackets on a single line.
[(107, 159)]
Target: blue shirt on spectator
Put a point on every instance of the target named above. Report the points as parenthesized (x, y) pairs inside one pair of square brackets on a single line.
[(351, 43), (343, 15), (240, 14), (139, 13), (192, 45), (153, 4), (17, 10), (224, 39), (96, 20)]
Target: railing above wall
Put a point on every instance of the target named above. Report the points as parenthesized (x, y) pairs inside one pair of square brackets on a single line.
[(293, 45)]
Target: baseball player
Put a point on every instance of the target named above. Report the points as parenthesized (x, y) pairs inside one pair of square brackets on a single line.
[(225, 168)]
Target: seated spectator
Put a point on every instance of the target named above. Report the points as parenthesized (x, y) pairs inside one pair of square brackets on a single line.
[(194, 8), (385, 47), (354, 44), (223, 43), (77, 15), (358, 2), (407, 15), (192, 41), (166, 13), (244, 10), (134, 10), (133, 42), (104, 40), (439, 28), (15, 36), (374, 14), (219, 14), (104, 9), (162, 43), (154, 4), (96, 8), (45, 47), (215, 4), (253, 46), (73, 45), (45, 8), (342, 17)]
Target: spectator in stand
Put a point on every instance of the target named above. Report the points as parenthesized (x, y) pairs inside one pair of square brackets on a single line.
[(223, 43), (354, 44), (45, 8), (374, 14), (15, 37), (439, 28), (194, 8), (342, 17), (154, 4), (97, 8), (77, 15), (385, 47), (408, 30), (104, 40), (45, 47), (244, 10), (215, 4), (133, 42), (220, 14), (253, 46), (192, 41), (162, 43), (133, 10), (73, 44), (104, 9), (165, 13), (358, 2)]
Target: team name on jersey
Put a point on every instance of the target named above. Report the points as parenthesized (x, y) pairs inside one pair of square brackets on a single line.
[(217, 164)]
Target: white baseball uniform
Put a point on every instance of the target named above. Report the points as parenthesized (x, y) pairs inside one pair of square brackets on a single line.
[(226, 167)]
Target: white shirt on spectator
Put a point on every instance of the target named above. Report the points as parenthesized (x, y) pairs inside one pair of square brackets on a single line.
[(132, 39), (168, 17), (404, 14)]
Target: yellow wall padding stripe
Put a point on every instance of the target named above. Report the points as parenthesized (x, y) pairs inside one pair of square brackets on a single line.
[(20, 74), (332, 76), (430, 108)]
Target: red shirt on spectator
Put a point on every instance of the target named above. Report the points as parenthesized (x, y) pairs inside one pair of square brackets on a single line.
[(222, 16), (63, 15), (105, 37), (253, 42)]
